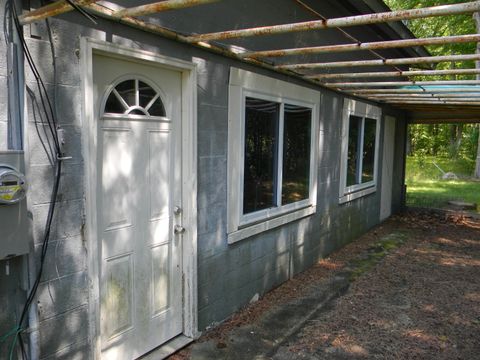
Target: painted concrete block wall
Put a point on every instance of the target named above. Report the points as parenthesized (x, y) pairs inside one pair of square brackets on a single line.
[(251, 266), (62, 298)]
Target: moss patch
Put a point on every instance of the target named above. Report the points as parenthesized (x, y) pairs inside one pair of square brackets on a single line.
[(376, 253)]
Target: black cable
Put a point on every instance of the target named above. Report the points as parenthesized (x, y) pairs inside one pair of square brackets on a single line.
[(47, 106), (83, 12), (57, 163)]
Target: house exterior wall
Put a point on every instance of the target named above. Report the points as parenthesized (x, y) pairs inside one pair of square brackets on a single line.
[(3, 87), (248, 267)]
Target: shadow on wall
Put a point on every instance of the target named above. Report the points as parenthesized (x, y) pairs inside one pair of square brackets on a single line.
[(61, 300)]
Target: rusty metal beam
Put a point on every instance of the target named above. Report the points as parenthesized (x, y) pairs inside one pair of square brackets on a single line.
[(378, 74), (426, 100), (362, 92), (444, 120), (469, 7), (345, 85), (443, 102), (56, 8), (365, 46), (107, 13), (425, 95), (423, 101), (400, 61), (159, 7)]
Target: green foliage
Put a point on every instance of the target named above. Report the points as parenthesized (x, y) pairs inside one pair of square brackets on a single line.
[(438, 27), (444, 140), (425, 188), (437, 193), (422, 168)]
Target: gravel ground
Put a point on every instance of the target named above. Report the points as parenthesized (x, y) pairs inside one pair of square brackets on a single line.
[(421, 300)]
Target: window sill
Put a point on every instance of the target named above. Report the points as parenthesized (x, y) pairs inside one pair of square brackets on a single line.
[(268, 224), (358, 194)]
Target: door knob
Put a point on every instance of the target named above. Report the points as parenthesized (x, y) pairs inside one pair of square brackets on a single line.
[(178, 229), (177, 210)]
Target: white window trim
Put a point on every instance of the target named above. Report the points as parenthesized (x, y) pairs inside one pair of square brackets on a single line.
[(360, 109), (247, 84)]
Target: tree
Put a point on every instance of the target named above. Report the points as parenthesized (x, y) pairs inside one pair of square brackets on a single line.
[(476, 17), (441, 26)]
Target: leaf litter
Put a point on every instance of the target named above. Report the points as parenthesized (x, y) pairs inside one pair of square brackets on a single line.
[(421, 300)]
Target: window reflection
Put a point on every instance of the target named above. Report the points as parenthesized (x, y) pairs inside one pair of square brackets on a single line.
[(296, 153), (261, 129)]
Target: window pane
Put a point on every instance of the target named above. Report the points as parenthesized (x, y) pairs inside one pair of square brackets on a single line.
[(261, 129), (353, 162), (113, 105), (369, 150), (157, 108), (296, 153), (145, 93), (126, 89)]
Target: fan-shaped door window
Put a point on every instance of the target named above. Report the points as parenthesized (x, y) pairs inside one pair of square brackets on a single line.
[(134, 97)]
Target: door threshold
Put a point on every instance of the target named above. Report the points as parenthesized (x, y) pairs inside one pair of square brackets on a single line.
[(167, 348)]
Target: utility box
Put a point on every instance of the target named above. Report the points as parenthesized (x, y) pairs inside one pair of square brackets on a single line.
[(13, 205)]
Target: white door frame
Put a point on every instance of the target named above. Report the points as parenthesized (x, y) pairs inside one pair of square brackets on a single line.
[(89, 47), (387, 167)]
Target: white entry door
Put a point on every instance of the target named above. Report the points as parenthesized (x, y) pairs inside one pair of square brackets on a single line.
[(387, 167), (138, 187)]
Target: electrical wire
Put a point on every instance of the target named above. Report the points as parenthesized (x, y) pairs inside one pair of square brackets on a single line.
[(57, 163), (55, 155), (83, 12)]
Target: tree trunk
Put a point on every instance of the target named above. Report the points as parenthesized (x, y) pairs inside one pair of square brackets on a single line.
[(477, 164), (409, 141), (459, 137), (476, 17)]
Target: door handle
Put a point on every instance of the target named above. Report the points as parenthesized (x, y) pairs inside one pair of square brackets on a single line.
[(179, 229)]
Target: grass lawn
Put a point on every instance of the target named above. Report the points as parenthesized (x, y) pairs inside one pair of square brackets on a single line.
[(425, 187)]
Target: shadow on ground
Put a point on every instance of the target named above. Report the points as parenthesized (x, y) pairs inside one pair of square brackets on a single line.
[(410, 288)]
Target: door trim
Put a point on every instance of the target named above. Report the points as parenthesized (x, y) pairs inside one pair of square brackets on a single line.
[(386, 189), (88, 48)]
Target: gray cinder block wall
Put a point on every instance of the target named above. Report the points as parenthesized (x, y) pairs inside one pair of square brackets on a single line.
[(251, 266)]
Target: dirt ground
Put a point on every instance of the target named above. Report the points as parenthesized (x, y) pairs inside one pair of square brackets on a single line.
[(420, 300)]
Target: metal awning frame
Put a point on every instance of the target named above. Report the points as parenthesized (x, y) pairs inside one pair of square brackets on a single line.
[(391, 92)]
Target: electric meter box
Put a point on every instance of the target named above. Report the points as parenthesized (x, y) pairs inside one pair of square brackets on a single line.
[(14, 232)]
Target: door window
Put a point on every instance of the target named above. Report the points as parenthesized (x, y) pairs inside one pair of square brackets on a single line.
[(134, 97)]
